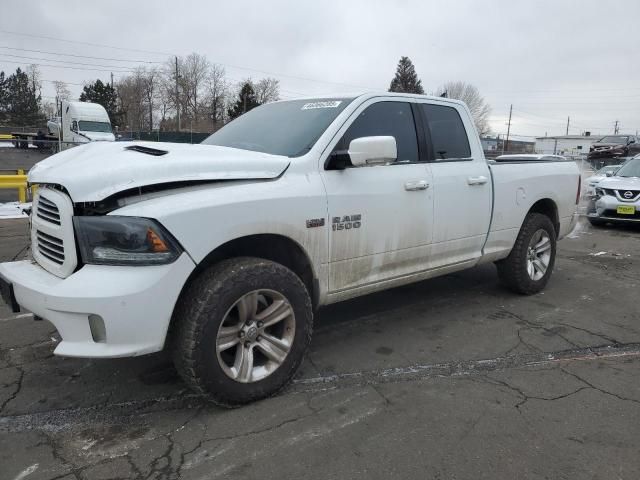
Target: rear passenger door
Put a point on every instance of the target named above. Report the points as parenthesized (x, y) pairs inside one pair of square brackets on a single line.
[(462, 187)]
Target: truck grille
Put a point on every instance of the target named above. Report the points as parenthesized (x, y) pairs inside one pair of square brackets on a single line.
[(52, 236), (629, 195), (48, 211), (51, 247)]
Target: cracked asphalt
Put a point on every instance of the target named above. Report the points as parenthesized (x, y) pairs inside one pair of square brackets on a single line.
[(451, 378)]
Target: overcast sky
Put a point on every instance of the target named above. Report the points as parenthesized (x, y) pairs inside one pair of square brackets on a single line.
[(550, 59)]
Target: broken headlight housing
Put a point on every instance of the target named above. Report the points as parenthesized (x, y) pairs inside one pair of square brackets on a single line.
[(113, 240)]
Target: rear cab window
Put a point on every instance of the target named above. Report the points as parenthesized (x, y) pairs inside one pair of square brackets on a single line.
[(446, 133)]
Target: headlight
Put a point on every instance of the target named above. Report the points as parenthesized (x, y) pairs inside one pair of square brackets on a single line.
[(111, 240), (600, 192)]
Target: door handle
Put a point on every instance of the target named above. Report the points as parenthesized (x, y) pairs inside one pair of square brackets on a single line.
[(481, 180), (414, 185)]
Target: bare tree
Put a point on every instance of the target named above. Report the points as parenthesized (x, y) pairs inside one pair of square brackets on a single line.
[(267, 90), (470, 95), (217, 91), (150, 84), (62, 94), (131, 101), (170, 96), (35, 78), (193, 73)]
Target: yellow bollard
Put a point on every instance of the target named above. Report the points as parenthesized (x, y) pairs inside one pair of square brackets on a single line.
[(22, 191), (18, 182)]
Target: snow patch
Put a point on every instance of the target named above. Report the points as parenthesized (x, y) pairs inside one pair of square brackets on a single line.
[(14, 210), (27, 471)]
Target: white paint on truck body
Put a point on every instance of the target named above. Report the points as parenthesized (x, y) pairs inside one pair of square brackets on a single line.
[(372, 227)]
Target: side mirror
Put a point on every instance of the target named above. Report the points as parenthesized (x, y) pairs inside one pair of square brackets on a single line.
[(609, 174), (366, 151), (632, 141)]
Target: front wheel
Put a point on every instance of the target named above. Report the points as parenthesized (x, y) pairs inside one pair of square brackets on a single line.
[(528, 267), (243, 328)]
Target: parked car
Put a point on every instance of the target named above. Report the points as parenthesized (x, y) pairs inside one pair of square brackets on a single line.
[(593, 180), (614, 146), (223, 251), (617, 199)]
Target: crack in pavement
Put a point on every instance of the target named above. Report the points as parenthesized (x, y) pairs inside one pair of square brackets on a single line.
[(60, 419), (17, 389)]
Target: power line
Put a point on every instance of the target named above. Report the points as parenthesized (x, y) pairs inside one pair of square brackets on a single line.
[(79, 56), (45, 37), (61, 61), (70, 68), (240, 67)]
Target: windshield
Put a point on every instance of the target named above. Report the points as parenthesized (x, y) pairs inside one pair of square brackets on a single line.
[(621, 140), (283, 128), (630, 169), (88, 126)]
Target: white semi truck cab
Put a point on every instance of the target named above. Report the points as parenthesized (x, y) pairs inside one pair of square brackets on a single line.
[(81, 122), (223, 251)]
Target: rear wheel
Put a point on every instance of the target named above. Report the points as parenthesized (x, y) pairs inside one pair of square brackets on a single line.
[(242, 330), (528, 267)]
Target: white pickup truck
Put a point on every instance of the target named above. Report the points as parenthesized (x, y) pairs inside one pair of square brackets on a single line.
[(223, 251)]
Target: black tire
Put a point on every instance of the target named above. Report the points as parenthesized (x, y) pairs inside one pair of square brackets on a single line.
[(596, 222), (513, 269), (202, 309)]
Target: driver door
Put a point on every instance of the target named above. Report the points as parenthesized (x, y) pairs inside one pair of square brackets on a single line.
[(381, 216)]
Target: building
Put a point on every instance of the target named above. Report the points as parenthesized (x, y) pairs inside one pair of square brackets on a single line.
[(489, 144), (572, 145), (497, 146)]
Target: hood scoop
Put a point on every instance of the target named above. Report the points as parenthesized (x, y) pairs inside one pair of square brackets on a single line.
[(148, 150)]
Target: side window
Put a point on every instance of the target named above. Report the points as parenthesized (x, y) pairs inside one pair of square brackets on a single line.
[(386, 118), (448, 135)]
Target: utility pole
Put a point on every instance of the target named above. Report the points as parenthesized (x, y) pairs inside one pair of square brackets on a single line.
[(509, 126), (567, 126), (615, 128), (111, 80), (177, 99)]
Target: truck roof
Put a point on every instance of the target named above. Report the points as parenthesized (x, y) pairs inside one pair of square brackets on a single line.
[(372, 94), (88, 110)]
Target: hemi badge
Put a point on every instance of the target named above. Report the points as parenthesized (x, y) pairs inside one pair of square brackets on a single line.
[(315, 222)]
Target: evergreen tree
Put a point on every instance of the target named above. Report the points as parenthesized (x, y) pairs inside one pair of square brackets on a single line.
[(19, 102), (406, 79), (246, 100), (103, 94)]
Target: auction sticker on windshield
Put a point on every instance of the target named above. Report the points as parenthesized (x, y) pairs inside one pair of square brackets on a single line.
[(329, 104)]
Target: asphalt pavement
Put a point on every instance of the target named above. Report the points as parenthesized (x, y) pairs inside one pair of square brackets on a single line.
[(451, 378)]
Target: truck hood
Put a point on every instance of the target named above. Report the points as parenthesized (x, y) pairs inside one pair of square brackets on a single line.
[(602, 146), (95, 171), (620, 183), (99, 136)]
